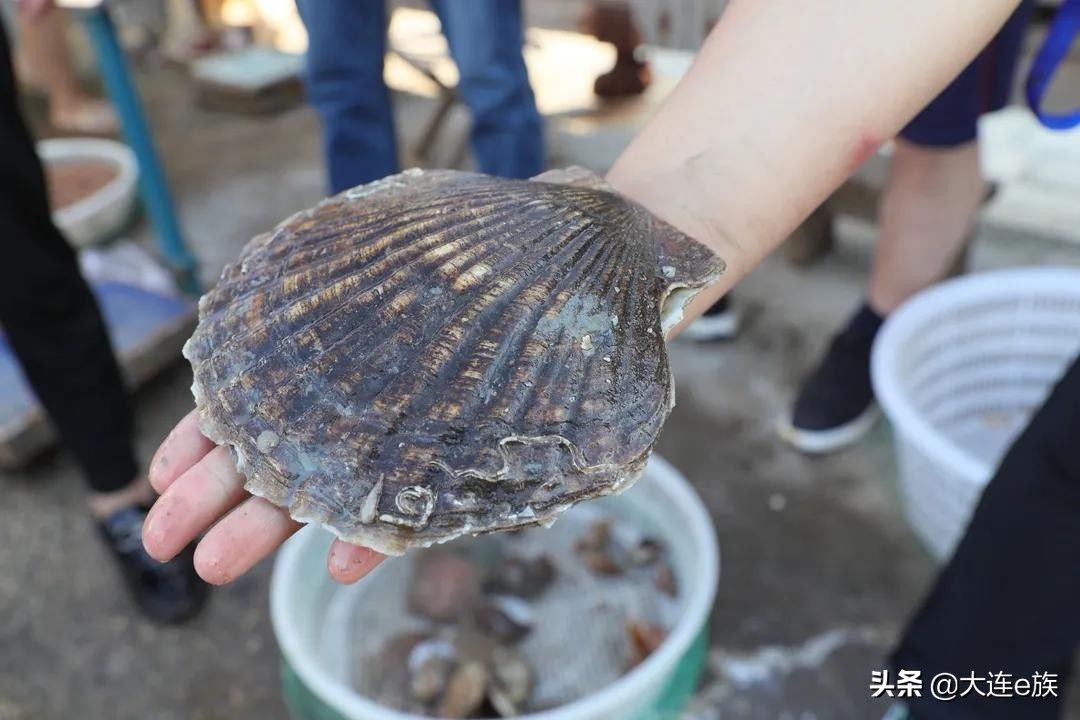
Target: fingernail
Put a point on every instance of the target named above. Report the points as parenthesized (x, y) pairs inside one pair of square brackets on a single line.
[(212, 569), (157, 466), (155, 530)]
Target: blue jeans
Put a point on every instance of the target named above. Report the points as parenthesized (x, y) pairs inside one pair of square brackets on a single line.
[(347, 43)]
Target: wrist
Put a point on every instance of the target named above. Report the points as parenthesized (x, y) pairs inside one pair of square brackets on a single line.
[(672, 196)]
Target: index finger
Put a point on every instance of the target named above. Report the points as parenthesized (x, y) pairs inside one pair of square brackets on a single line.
[(348, 563), (184, 447)]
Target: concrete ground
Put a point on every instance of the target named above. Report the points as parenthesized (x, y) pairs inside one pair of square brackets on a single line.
[(819, 568)]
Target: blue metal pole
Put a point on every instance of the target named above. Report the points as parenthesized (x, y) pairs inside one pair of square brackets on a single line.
[(153, 186)]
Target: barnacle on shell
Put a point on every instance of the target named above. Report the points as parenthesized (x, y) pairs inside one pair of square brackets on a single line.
[(441, 353)]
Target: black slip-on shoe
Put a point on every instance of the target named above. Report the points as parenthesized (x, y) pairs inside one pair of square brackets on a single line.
[(836, 407), (167, 593)]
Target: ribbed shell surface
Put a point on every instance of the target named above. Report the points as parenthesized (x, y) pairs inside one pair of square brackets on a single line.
[(442, 353)]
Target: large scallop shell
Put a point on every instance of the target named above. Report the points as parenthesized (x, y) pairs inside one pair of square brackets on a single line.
[(441, 353)]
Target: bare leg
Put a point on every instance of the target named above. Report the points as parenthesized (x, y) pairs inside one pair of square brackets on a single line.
[(926, 216), (45, 61), (105, 504)]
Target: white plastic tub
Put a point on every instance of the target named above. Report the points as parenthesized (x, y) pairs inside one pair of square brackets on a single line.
[(662, 503), (959, 369), (98, 217)]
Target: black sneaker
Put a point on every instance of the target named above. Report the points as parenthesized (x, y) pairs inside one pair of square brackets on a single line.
[(167, 593), (836, 405), (719, 322)]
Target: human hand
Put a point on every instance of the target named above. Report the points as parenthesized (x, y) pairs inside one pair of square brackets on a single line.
[(34, 8), (201, 490)]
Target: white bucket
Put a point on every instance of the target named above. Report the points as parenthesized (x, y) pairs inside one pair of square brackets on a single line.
[(959, 369), (662, 503), (101, 215)]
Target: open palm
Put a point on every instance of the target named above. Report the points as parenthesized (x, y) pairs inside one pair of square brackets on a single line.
[(201, 491)]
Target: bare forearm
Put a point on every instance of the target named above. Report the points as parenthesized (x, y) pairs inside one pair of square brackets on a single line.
[(785, 100)]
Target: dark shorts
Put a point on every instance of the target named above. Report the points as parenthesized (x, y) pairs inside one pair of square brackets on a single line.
[(984, 86)]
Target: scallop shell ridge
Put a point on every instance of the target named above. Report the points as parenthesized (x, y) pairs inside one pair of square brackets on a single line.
[(442, 353)]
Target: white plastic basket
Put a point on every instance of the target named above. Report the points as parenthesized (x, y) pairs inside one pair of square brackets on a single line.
[(959, 369)]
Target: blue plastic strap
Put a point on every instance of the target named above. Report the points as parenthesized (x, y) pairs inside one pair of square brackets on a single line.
[(1064, 29)]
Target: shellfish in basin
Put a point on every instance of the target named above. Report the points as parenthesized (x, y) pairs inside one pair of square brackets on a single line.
[(442, 353)]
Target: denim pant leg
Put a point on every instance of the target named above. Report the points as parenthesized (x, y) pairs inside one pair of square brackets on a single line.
[(486, 40), (344, 77)]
